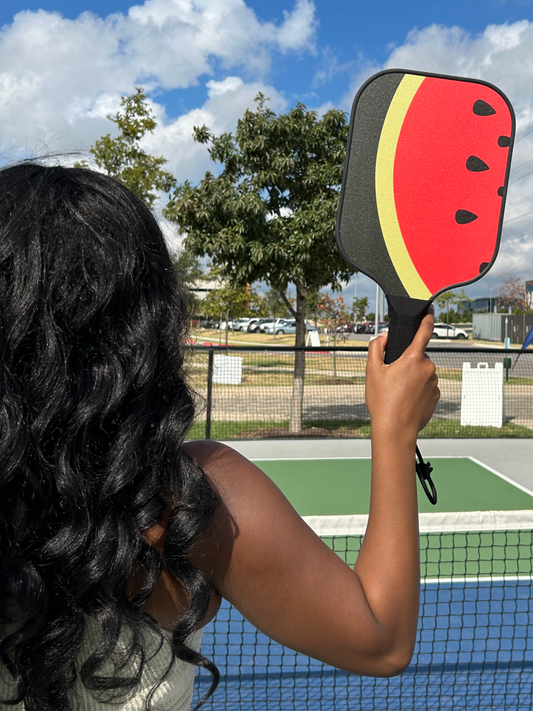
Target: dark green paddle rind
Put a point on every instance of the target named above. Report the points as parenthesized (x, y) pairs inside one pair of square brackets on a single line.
[(359, 234)]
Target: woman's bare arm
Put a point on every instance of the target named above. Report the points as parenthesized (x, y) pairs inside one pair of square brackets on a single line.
[(263, 558)]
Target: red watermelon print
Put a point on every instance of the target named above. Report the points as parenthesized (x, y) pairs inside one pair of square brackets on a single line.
[(449, 171)]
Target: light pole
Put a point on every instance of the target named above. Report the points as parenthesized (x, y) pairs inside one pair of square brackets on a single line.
[(376, 315)]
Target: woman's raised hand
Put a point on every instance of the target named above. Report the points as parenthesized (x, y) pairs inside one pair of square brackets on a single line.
[(402, 396)]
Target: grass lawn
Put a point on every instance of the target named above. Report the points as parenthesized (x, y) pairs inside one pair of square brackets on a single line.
[(223, 430)]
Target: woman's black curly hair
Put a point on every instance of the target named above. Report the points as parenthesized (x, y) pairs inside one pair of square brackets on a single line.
[(94, 410)]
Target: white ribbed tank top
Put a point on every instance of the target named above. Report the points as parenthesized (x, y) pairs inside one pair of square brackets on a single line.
[(174, 694)]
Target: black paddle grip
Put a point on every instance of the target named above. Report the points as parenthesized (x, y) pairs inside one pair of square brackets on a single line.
[(405, 317)]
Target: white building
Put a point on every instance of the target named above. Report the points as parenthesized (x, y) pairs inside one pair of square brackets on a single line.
[(202, 287)]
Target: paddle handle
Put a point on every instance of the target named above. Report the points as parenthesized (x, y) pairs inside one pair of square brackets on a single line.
[(405, 317)]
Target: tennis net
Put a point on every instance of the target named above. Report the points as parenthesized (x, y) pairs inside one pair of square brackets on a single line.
[(475, 635)]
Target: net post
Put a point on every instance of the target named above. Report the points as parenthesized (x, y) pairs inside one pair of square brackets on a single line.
[(209, 394)]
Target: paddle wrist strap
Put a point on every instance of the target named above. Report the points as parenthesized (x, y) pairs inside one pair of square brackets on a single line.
[(423, 470)]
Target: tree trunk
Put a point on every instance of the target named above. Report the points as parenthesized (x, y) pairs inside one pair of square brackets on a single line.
[(334, 354), (227, 326), (295, 422)]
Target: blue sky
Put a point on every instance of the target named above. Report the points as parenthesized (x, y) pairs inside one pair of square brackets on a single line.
[(203, 61)]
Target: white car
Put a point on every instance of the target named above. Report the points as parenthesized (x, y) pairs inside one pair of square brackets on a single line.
[(440, 330), (268, 324), (222, 324), (288, 326), (241, 324)]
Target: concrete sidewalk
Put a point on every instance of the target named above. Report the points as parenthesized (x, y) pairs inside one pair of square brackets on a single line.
[(511, 457)]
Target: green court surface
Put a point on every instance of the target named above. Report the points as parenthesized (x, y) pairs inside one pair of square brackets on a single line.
[(334, 487)]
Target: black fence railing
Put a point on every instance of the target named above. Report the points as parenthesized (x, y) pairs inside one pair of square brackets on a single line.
[(245, 392)]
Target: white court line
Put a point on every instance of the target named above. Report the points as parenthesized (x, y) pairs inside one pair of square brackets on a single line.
[(502, 476), (474, 579), (433, 522), (310, 459)]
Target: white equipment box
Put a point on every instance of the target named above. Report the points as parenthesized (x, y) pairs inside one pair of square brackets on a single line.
[(227, 370), (482, 395), (313, 339)]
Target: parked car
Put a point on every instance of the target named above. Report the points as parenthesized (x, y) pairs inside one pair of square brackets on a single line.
[(222, 324), (255, 324), (370, 327), (241, 324), (267, 324), (289, 327), (441, 330)]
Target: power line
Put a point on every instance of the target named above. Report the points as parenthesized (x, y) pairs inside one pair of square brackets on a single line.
[(519, 202), (519, 234), (519, 217), (524, 135), (519, 167), (520, 177)]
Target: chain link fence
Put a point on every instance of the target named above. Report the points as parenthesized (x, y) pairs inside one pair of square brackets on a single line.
[(245, 392)]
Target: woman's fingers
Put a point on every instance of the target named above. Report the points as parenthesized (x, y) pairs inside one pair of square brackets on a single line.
[(423, 335), (376, 349)]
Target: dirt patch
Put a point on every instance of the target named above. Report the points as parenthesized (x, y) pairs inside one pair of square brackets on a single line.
[(306, 432), (350, 380)]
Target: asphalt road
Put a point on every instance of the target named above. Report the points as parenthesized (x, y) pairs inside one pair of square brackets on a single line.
[(347, 401)]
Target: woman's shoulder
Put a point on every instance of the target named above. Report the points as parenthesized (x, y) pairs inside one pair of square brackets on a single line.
[(212, 455)]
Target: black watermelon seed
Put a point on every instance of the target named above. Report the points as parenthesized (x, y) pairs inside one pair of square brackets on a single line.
[(476, 165), (504, 141), (481, 108), (500, 191), (483, 266), (463, 217)]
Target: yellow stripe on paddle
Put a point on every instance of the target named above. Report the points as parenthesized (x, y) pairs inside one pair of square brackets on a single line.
[(388, 218)]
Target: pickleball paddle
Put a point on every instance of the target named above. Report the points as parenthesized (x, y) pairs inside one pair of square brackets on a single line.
[(423, 189)]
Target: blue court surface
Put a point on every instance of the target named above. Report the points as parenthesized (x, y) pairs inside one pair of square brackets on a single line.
[(474, 650)]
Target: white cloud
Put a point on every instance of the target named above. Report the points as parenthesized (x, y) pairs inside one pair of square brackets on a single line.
[(298, 28), (59, 78), (501, 55), (227, 101)]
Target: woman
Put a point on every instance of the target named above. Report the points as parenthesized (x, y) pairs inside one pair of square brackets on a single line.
[(117, 539)]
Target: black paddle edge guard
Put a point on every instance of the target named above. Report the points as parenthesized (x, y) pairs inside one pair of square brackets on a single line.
[(405, 317)]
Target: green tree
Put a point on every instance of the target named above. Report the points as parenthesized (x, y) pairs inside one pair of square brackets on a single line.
[(359, 308), (229, 301), (122, 157), (450, 298), (270, 213), (188, 271), (276, 306), (311, 306), (335, 313)]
